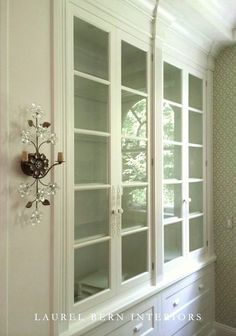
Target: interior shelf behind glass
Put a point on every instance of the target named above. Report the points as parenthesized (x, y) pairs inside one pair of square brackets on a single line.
[(172, 201), (134, 255), (91, 214), (134, 67), (195, 162), (172, 83), (196, 196), (90, 49), (91, 277), (91, 105), (91, 159), (195, 128), (196, 233), (195, 92), (172, 241)]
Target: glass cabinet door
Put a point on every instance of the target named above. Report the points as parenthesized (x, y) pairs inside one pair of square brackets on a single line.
[(91, 161), (172, 162), (183, 159), (111, 199), (196, 178), (134, 147)]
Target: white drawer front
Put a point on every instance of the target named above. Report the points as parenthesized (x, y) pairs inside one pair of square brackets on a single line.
[(142, 325), (175, 322), (137, 321), (174, 302), (198, 327)]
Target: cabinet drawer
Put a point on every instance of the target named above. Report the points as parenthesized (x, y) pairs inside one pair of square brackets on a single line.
[(138, 321), (175, 301), (173, 323), (200, 326), (140, 325)]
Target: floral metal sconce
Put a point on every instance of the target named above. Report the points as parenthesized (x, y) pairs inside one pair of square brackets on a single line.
[(36, 164)]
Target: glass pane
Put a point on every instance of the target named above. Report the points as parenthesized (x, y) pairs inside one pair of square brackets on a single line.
[(91, 153), (91, 214), (134, 160), (196, 195), (172, 241), (134, 247), (172, 201), (172, 162), (90, 49), (134, 65), (172, 83), (91, 105), (195, 233), (134, 205), (91, 277), (134, 115), (195, 162), (195, 92), (172, 123), (195, 128)]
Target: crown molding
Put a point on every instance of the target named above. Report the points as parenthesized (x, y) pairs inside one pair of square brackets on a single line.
[(199, 23), (144, 6)]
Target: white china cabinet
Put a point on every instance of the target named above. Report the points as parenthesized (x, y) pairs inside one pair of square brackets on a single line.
[(136, 217)]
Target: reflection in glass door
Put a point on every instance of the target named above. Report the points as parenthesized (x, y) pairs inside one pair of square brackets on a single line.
[(134, 145)]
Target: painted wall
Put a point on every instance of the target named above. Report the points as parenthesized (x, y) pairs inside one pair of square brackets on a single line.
[(224, 121), (28, 251)]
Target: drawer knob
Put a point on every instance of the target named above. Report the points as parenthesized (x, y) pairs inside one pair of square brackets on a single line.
[(176, 303), (138, 327), (201, 286)]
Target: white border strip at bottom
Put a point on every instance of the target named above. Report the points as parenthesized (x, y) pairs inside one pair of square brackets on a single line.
[(224, 330)]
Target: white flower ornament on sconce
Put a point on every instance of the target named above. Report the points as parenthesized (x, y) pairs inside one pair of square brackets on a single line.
[(36, 164)]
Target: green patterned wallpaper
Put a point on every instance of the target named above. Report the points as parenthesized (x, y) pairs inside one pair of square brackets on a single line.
[(224, 123)]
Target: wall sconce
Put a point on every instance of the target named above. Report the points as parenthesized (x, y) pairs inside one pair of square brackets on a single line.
[(36, 164)]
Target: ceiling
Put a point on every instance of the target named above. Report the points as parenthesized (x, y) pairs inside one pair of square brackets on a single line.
[(212, 23)]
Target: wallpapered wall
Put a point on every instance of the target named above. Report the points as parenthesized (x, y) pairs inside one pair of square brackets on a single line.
[(224, 122)]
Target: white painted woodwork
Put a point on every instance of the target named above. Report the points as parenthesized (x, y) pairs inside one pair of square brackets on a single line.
[(33, 41)]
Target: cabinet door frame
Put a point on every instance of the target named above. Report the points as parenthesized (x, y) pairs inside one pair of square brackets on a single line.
[(74, 11), (200, 73)]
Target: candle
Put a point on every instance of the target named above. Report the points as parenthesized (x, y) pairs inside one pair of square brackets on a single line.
[(60, 157), (24, 156)]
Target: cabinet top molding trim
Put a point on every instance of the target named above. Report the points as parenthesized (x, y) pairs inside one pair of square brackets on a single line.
[(136, 18)]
